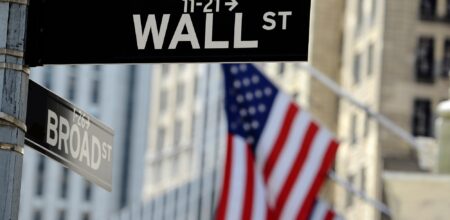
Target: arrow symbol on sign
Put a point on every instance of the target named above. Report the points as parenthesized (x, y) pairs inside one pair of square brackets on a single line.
[(232, 3)]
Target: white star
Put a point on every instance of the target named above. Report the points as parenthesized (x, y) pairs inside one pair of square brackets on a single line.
[(233, 108), (246, 82), (246, 126), (240, 98), (243, 112), (234, 70), (237, 84), (249, 96), (261, 107), (255, 124), (268, 91), (243, 67), (252, 110), (250, 140), (255, 79), (258, 93)]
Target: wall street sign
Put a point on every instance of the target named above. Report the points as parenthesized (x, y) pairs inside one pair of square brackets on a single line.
[(63, 132), (146, 31)]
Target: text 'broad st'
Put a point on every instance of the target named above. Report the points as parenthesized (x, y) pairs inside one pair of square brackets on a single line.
[(63, 132)]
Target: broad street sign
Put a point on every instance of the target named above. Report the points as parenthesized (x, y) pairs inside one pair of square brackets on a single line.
[(65, 133), (146, 31)]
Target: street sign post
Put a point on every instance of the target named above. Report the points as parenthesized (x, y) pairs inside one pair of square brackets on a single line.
[(142, 31), (63, 132)]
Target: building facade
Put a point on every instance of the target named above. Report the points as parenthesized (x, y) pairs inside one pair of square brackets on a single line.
[(394, 59)]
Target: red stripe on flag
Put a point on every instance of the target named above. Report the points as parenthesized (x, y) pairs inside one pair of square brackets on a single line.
[(281, 140), (326, 165), (296, 168), (223, 203), (330, 215), (248, 199)]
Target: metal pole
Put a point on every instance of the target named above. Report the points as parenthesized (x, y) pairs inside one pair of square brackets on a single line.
[(13, 103), (443, 136), (385, 122)]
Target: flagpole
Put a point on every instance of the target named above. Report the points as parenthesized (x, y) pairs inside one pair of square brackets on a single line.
[(384, 121), (349, 187)]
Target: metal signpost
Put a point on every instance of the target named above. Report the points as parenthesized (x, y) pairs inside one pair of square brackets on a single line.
[(142, 31), (68, 135)]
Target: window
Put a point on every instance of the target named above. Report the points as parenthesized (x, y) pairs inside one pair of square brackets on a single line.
[(62, 214), (95, 88), (72, 85), (87, 191), (359, 15), (48, 77), (370, 61), (422, 118), (163, 101), (446, 61), (356, 69), (64, 183), (178, 132), (353, 124), (447, 14), (180, 93), (37, 215), (425, 59), (363, 179), (40, 176), (281, 68), (160, 140), (373, 11), (165, 70), (349, 196), (427, 9), (366, 125), (86, 216)]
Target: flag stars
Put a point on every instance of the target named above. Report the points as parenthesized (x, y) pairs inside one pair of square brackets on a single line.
[(246, 126), (261, 108), (268, 91), (243, 67), (258, 93), (243, 112), (246, 82), (240, 98), (237, 84), (255, 79), (252, 110), (234, 70), (255, 124), (249, 96)]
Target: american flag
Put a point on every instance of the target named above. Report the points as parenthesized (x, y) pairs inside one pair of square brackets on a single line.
[(323, 211), (277, 156)]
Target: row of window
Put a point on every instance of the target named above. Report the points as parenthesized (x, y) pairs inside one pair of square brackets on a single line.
[(422, 121), (62, 215), (358, 64), (426, 68), (72, 83), (64, 181), (429, 10), (361, 18), (349, 197)]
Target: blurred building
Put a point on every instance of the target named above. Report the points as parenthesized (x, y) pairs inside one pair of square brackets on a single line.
[(395, 58), (116, 94)]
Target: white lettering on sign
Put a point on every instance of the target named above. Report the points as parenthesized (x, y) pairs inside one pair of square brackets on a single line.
[(185, 32), (75, 142), (269, 18)]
